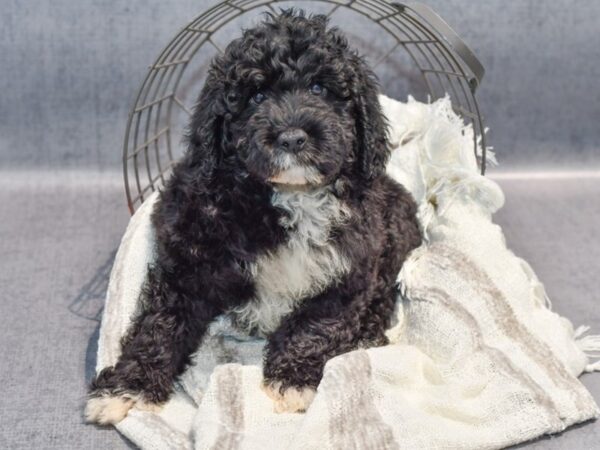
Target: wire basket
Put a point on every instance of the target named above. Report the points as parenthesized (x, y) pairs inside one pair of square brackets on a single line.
[(411, 49)]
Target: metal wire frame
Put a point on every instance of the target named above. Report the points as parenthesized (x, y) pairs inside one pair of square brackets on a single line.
[(446, 64)]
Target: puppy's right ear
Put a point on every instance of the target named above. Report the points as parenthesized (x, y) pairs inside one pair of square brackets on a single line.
[(205, 132)]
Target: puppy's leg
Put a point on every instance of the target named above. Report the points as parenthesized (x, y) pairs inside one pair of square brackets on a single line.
[(377, 318), (154, 352), (402, 236), (325, 326)]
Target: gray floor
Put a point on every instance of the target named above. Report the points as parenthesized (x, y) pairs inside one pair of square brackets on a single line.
[(59, 233)]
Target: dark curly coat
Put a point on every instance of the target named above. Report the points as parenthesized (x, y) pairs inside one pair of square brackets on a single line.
[(279, 214)]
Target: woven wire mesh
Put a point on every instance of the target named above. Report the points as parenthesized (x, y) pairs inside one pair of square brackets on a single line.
[(410, 48)]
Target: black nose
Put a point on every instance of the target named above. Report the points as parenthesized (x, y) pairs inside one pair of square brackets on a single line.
[(292, 140)]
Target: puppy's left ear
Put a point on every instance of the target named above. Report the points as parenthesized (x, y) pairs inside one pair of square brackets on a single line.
[(371, 125), (205, 132)]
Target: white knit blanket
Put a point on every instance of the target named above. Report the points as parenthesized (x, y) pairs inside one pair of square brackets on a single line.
[(477, 359)]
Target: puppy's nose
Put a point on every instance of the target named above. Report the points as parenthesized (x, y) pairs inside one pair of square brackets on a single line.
[(292, 140)]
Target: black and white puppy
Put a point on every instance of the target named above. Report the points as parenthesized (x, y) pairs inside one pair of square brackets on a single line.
[(279, 215)]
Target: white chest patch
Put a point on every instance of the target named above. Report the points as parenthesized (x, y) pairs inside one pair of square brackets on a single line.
[(300, 268)]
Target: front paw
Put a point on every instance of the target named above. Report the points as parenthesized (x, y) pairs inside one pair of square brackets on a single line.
[(108, 409), (109, 402), (290, 399)]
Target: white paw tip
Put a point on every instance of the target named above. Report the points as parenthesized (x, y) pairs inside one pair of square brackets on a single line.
[(107, 410), (292, 400)]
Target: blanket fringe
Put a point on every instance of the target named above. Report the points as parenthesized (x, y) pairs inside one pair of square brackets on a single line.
[(590, 345), (539, 292)]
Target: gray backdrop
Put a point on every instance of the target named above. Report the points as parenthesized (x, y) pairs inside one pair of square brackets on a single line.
[(70, 70)]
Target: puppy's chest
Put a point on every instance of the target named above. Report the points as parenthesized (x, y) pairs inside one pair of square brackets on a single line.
[(301, 267)]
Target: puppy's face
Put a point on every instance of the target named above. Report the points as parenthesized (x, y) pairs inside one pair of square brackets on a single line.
[(294, 104), (297, 129)]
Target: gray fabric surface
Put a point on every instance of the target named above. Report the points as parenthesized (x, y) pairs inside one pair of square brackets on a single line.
[(58, 235), (70, 71), (57, 240)]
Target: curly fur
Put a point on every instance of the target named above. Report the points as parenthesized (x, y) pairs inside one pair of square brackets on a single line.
[(300, 268), (301, 243)]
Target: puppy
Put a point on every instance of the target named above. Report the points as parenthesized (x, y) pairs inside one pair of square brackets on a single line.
[(279, 215)]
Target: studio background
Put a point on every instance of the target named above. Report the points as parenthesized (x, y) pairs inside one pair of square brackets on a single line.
[(69, 74), (70, 71)]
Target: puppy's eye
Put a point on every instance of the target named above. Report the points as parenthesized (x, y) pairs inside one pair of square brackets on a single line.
[(317, 89), (259, 97)]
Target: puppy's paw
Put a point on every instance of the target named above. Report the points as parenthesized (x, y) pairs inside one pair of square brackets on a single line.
[(289, 400), (108, 409), (111, 409)]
